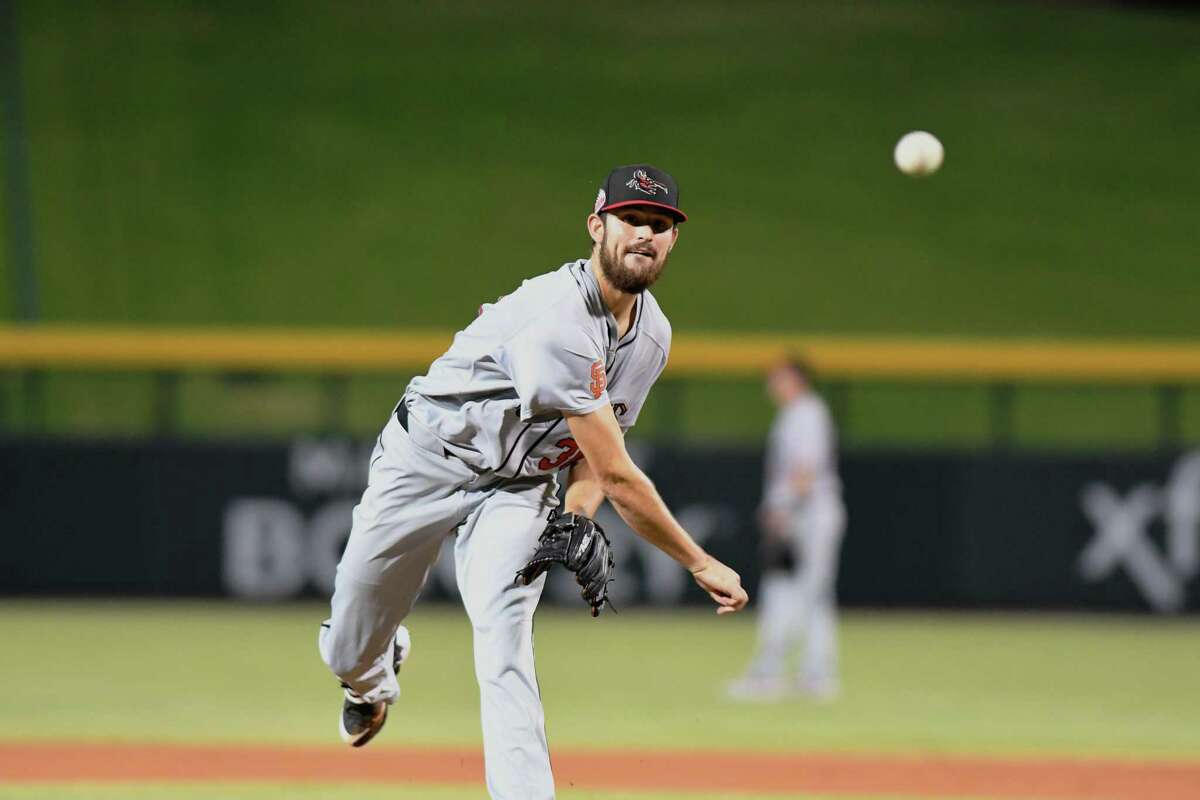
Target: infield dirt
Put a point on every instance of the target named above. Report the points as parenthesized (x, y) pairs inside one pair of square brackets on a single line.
[(709, 771)]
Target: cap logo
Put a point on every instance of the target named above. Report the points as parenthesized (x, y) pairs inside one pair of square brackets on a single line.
[(601, 198), (645, 184)]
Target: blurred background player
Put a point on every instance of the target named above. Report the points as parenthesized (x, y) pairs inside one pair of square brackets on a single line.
[(802, 518)]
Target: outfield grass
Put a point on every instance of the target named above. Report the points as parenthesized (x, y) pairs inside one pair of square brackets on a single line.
[(316, 164), (991, 684)]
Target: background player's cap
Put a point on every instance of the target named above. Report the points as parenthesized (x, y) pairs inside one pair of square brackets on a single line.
[(640, 185)]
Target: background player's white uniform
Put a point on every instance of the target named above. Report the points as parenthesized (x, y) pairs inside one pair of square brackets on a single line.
[(482, 439), (802, 603)]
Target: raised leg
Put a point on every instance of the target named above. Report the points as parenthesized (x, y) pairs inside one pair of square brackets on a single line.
[(356, 640), (413, 500)]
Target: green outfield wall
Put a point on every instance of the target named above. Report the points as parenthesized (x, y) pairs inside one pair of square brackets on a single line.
[(394, 165)]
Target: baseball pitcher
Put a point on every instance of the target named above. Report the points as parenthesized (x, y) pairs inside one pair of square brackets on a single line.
[(547, 378)]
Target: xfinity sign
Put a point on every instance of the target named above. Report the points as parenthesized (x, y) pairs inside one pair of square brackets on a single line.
[(1122, 534)]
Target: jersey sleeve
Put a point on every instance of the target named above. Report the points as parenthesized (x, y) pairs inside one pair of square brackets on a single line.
[(556, 370)]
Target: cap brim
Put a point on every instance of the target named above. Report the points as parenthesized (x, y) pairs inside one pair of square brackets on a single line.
[(674, 212)]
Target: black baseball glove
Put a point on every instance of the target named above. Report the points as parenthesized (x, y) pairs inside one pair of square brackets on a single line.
[(776, 553), (580, 545)]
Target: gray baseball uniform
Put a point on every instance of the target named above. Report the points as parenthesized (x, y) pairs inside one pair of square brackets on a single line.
[(473, 450), (803, 603)]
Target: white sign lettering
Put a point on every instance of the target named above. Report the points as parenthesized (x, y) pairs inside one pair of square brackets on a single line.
[(1122, 537)]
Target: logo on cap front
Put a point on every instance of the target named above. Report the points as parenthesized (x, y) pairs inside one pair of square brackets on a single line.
[(645, 184)]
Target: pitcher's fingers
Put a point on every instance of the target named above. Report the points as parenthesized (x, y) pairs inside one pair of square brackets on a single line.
[(721, 599)]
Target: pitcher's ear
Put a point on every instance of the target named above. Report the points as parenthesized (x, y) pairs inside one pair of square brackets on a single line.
[(595, 226)]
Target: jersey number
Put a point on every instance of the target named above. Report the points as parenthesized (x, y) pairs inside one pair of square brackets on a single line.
[(570, 450)]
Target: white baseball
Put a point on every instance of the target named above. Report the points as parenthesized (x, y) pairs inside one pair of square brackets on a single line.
[(919, 153)]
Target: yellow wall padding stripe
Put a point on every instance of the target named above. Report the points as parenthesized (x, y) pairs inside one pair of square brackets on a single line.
[(692, 354)]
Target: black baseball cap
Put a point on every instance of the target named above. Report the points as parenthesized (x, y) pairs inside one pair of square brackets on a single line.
[(639, 185)]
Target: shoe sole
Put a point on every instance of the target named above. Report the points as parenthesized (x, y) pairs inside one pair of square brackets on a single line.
[(367, 735)]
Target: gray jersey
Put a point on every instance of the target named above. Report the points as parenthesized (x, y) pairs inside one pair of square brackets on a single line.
[(803, 436), (496, 398)]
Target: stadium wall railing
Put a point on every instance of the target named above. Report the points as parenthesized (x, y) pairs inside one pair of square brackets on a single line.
[(1169, 368)]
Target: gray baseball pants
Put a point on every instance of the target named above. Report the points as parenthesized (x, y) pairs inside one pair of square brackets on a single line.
[(416, 497), (803, 604)]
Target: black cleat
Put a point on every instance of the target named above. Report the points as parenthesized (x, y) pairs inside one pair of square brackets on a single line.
[(361, 720)]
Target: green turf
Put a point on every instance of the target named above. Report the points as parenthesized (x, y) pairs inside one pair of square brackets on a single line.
[(943, 683), (308, 163)]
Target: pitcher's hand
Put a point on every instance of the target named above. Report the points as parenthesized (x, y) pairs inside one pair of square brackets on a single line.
[(723, 585)]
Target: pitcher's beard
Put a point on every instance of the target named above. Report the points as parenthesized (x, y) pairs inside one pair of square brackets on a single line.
[(625, 279)]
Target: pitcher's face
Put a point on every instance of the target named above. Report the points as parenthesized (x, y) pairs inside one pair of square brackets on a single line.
[(634, 245)]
